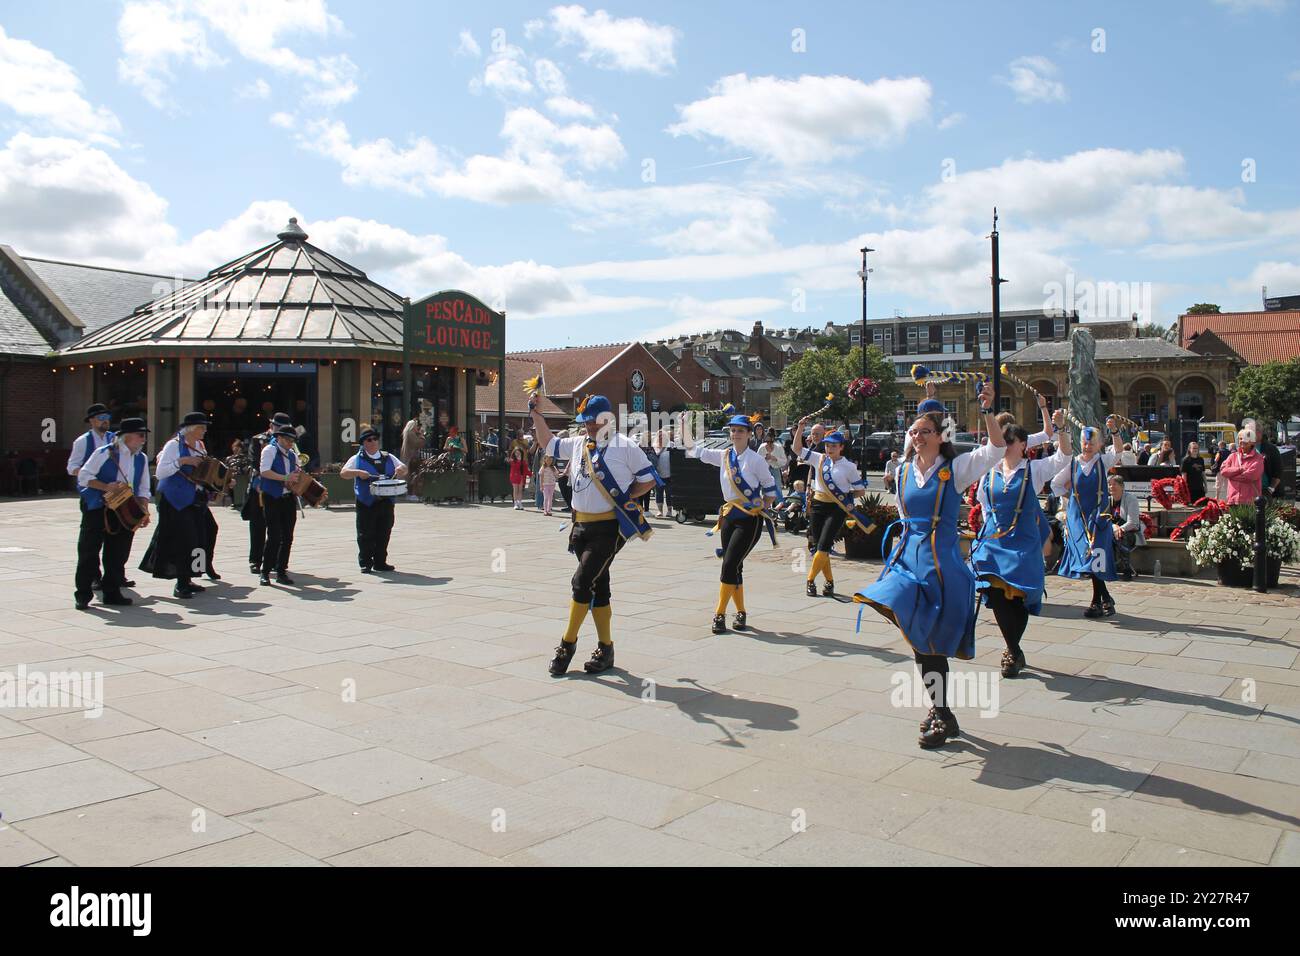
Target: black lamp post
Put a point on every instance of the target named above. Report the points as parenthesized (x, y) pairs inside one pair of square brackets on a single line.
[(862, 434)]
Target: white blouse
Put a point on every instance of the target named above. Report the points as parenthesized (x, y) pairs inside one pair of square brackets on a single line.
[(1039, 472), (1062, 480), (966, 468), (752, 467)]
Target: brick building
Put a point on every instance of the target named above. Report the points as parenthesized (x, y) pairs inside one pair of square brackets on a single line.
[(1254, 337)]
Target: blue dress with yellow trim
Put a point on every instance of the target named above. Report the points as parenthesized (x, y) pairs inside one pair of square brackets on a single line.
[(1008, 554), (1089, 540), (926, 589)]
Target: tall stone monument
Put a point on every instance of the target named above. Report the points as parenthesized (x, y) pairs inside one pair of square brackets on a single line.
[(1084, 392)]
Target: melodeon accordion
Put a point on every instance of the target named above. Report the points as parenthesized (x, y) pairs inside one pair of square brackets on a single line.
[(311, 491), (211, 473), (130, 512)]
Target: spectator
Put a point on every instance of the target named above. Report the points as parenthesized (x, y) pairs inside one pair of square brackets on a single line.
[(548, 478), (776, 460), (1272, 481), (891, 472), (519, 474), (1244, 470), (663, 462), (455, 445), (1164, 455), (1127, 457), (1194, 472), (1127, 519)]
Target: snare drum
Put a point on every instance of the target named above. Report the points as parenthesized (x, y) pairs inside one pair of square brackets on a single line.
[(388, 487)]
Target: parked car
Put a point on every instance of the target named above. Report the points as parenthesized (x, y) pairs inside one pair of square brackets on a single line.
[(878, 447)]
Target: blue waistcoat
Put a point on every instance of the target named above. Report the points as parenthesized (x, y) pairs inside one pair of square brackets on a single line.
[(279, 465), (362, 488), (179, 491), (93, 497)]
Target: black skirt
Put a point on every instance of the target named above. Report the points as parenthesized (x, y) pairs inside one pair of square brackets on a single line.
[(174, 536)]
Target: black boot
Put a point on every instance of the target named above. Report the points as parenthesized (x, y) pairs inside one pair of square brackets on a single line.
[(182, 592), (254, 567), (80, 601), (563, 655), (602, 659), (1013, 663), (741, 621), (1108, 607), (384, 566), (812, 588), (942, 726), (282, 577), (1094, 610), (828, 589), (264, 577), (117, 599), (719, 624)]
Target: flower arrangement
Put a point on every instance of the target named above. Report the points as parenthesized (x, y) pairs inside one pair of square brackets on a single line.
[(1231, 538)]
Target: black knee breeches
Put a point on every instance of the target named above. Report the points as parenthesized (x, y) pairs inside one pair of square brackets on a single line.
[(827, 521), (594, 544), (740, 532)]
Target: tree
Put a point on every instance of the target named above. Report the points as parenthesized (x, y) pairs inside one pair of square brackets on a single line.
[(1268, 393), (1153, 330), (839, 342), (1203, 308), (807, 382)]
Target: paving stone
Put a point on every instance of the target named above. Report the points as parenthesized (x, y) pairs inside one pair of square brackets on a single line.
[(18, 849), (414, 849), (322, 826), (147, 750), (733, 827), (368, 775), (189, 708), (50, 789), (504, 762), (1157, 853), (130, 830), (823, 846), (664, 760), (617, 795), (277, 742), (1161, 749), (252, 849), (619, 843), (32, 751), (1267, 738), (227, 785)]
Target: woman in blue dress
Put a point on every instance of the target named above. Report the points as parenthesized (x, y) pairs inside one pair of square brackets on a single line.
[(1089, 541), (1008, 554), (926, 589)]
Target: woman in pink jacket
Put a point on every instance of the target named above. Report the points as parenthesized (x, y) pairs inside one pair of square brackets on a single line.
[(1243, 471)]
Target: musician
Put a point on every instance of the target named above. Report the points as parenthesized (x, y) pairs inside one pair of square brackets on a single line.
[(1008, 554), (608, 472), (926, 590), (97, 436), (279, 504), (181, 538), (748, 488), (113, 467), (836, 482), (252, 512), (1089, 545), (374, 515)]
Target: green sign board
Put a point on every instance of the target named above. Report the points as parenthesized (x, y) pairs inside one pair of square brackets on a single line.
[(455, 324)]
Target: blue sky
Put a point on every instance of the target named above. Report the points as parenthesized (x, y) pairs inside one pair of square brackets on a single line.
[(622, 170)]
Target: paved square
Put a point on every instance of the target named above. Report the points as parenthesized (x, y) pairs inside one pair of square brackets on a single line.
[(408, 719)]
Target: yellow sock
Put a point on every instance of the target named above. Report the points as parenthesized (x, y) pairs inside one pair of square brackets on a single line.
[(577, 613), (826, 568), (814, 566), (725, 591), (739, 598), (602, 617)]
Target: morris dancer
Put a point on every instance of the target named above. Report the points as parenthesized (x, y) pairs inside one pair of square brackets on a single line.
[(926, 590), (1008, 554), (836, 482), (180, 541), (747, 489), (110, 468), (279, 504), (1089, 546), (374, 514), (252, 511), (85, 445), (609, 472)]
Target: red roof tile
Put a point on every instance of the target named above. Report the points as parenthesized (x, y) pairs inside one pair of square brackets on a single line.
[(517, 371), (566, 369), (1258, 337)]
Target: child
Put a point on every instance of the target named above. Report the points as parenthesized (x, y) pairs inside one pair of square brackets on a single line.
[(792, 511), (519, 475), (548, 476)]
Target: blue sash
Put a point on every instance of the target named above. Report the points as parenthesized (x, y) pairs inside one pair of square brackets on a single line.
[(631, 519), (753, 499), (843, 499)]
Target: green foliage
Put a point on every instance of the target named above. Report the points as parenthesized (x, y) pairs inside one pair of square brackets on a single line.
[(819, 371), (1203, 308), (839, 342), (1268, 393)]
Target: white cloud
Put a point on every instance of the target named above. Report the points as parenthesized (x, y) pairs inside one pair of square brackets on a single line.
[(1033, 79), (707, 315), (567, 108), (157, 35), (532, 168), (629, 44), (1281, 278), (259, 89), (468, 46), (66, 199), (951, 120), (809, 120), (550, 78), (506, 72), (283, 120), (41, 88)]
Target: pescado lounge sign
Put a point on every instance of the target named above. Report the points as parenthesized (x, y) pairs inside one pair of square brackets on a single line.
[(455, 323)]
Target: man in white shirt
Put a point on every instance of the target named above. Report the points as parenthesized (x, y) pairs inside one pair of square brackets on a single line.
[(664, 464), (606, 469), (97, 436), (1126, 513), (891, 472), (111, 469), (776, 460), (374, 513)]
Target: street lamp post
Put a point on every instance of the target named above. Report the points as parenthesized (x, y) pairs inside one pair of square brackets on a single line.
[(862, 434)]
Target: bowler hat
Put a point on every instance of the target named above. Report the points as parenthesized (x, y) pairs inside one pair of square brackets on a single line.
[(95, 410), (131, 426), (195, 418)]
